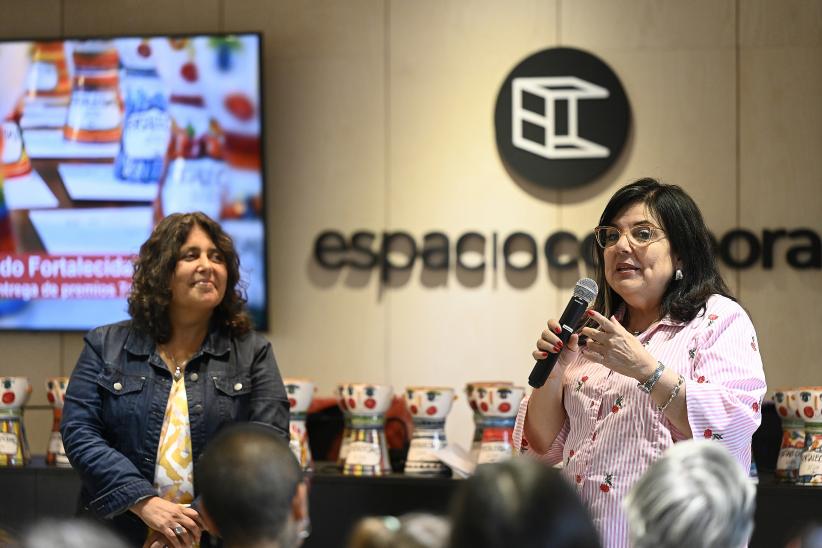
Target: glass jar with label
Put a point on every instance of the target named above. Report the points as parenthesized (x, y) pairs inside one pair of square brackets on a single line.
[(95, 113), (194, 180), (147, 124)]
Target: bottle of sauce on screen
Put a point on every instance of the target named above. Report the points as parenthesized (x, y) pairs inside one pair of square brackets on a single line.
[(195, 174), (48, 81), (15, 160), (95, 113), (147, 124), (14, 65)]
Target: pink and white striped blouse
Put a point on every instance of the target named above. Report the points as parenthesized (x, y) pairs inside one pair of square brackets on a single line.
[(614, 432)]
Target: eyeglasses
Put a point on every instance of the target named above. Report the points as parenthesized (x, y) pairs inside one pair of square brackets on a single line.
[(638, 236)]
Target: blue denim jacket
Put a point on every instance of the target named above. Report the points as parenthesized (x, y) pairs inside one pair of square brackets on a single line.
[(116, 401)]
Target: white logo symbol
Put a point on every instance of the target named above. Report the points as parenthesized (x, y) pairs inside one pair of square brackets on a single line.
[(552, 90)]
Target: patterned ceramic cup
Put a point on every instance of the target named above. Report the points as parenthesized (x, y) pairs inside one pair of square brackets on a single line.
[(56, 394), (431, 403), (793, 434), (14, 447), (300, 393), (810, 406), (367, 449)]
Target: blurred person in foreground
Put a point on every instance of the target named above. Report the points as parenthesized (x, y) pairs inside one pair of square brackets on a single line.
[(147, 394), (252, 489), (670, 355), (696, 495), (414, 530), (519, 503)]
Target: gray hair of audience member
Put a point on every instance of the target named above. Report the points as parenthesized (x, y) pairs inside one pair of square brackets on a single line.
[(696, 494), (415, 530), (519, 502), (248, 480), (69, 533)]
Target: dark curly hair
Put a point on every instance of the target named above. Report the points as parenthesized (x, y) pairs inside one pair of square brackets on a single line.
[(150, 294), (690, 241)]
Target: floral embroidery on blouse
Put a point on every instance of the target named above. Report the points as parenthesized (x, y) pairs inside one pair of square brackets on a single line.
[(709, 434), (608, 484)]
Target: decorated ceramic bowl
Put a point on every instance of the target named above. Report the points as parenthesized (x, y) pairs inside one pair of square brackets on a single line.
[(14, 392), (500, 401), (56, 390), (472, 391), (429, 402), (300, 393), (366, 399)]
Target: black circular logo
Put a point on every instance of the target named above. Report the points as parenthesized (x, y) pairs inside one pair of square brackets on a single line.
[(561, 118)]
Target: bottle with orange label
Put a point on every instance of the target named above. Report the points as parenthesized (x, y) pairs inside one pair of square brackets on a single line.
[(95, 113), (15, 161), (48, 77)]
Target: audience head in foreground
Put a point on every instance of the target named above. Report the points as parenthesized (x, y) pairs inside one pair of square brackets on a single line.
[(416, 530), (252, 488), (519, 502), (696, 495)]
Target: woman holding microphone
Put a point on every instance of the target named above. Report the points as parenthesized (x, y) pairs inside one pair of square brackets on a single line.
[(666, 355)]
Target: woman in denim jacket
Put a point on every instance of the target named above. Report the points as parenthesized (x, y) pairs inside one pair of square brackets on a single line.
[(148, 394)]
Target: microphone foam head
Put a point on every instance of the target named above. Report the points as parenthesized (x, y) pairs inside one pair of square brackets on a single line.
[(586, 289)]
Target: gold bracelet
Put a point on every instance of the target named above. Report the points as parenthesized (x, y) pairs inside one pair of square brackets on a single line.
[(674, 394)]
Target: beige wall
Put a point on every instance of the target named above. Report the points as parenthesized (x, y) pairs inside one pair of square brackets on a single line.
[(379, 115)]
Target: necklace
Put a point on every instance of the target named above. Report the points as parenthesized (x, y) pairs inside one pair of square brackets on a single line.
[(178, 366)]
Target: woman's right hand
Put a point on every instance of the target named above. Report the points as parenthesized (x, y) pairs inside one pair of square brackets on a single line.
[(549, 342), (181, 526)]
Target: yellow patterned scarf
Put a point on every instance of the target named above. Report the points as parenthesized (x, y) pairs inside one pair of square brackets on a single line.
[(174, 474)]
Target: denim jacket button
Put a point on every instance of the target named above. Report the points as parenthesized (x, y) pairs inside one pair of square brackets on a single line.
[(117, 386), (194, 376), (238, 386)]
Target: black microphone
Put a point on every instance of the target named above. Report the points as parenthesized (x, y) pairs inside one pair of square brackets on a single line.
[(584, 292)]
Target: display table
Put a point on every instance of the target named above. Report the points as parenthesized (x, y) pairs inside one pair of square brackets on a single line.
[(337, 502)]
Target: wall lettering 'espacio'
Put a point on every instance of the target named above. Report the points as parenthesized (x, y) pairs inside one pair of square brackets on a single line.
[(801, 249)]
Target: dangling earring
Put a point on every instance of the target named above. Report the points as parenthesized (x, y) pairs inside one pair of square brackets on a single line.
[(678, 274)]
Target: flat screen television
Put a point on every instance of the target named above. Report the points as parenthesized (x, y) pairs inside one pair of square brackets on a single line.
[(103, 137)]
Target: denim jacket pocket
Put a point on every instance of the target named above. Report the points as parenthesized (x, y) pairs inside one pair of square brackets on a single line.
[(234, 396), (120, 394)]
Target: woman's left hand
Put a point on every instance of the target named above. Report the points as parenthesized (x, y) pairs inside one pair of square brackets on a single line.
[(617, 349)]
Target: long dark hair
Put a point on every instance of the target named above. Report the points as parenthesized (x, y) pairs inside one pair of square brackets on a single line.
[(690, 241), (150, 294)]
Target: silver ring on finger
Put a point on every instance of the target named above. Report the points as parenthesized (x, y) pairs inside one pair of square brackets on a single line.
[(179, 530)]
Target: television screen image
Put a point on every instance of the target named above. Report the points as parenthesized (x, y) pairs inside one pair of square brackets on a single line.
[(102, 138)]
